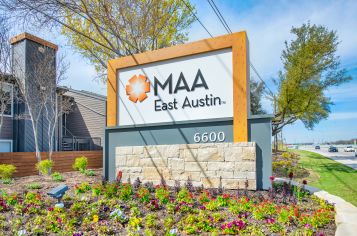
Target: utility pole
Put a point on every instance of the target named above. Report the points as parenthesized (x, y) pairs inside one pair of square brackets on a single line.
[(276, 135)]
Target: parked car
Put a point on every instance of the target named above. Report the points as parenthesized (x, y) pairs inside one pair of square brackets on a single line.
[(317, 147), (332, 149), (349, 149)]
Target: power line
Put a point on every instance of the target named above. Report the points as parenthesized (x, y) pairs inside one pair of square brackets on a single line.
[(226, 26), (220, 16), (189, 8), (221, 19), (256, 72)]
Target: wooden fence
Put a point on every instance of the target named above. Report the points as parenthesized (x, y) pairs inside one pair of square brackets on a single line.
[(25, 161)]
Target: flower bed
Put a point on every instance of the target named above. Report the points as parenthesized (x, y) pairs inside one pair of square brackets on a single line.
[(116, 208), (285, 163)]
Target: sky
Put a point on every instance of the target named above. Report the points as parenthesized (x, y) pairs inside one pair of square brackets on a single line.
[(268, 25)]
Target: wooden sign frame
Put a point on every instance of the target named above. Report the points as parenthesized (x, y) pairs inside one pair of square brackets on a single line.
[(240, 64)]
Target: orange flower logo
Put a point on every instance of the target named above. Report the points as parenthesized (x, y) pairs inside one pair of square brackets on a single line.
[(137, 88)]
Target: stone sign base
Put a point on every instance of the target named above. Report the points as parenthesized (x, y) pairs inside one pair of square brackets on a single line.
[(231, 165)]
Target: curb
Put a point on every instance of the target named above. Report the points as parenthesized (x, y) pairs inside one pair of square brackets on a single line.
[(346, 213)]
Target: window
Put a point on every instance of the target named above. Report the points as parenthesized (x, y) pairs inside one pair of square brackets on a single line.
[(5, 145), (6, 99)]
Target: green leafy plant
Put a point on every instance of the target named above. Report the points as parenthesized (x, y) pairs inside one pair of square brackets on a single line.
[(44, 166), (169, 222), (89, 172), (6, 171), (134, 224), (111, 190), (162, 193), (34, 186), (213, 205), (82, 188), (125, 192), (151, 221), (97, 190), (223, 200), (204, 197), (7, 181), (56, 176), (143, 194), (184, 196), (80, 163)]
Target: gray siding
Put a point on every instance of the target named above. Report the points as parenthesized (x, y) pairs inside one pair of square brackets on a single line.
[(6, 129), (25, 55), (88, 116)]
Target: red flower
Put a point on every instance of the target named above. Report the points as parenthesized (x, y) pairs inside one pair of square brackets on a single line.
[(272, 178), (291, 175), (119, 176), (304, 182)]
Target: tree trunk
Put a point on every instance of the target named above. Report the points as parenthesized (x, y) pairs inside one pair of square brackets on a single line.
[(34, 127)]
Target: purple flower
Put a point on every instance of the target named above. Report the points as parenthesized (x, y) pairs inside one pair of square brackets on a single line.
[(78, 234), (270, 221), (203, 207), (229, 225), (307, 226)]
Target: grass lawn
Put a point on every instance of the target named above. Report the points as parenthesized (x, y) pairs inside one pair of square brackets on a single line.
[(329, 175)]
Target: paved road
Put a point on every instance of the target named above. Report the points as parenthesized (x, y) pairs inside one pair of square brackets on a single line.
[(346, 158)]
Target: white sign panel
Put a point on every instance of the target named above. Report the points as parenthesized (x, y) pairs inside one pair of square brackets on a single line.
[(182, 89)]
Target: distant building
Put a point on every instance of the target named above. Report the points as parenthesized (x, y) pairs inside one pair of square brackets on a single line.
[(81, 129)]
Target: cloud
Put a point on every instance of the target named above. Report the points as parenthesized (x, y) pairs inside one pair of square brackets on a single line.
[(342, 116), (268, 25)]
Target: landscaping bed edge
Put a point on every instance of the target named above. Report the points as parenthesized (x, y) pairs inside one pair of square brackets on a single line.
[(346, 213)]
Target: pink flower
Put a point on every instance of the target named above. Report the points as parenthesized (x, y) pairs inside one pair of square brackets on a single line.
[(272, 178), (270, 221)]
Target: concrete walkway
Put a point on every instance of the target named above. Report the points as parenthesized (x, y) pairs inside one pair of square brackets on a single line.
[(346, 214)]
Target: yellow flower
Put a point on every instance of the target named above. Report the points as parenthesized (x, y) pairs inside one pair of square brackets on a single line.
[(95, 218)]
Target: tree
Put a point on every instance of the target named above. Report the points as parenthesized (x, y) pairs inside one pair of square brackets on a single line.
[(50, 71), (256, 94), (103, 30), (310, 68), (6, 87), (39, 92)]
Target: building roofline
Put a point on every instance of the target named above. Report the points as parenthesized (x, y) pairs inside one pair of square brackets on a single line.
[(25, 35), (85, 93)]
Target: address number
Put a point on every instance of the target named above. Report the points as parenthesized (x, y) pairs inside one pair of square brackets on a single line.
[(209, 137)]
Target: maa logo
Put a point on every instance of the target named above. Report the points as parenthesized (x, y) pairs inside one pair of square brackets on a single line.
[(137, 88)]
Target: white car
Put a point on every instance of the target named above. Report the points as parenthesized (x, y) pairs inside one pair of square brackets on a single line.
[(349, 149)]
